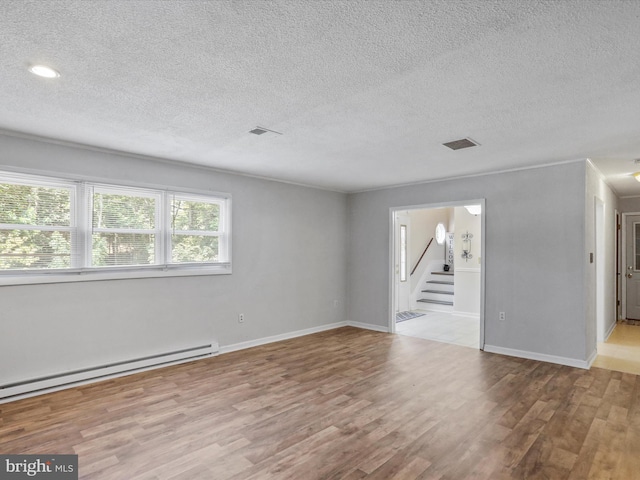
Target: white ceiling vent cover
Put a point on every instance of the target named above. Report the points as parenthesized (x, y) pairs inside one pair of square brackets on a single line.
[(460, 144)]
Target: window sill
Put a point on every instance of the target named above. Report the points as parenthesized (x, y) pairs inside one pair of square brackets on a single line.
[(93, 275)]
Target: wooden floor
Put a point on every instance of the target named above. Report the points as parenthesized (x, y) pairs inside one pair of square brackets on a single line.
[(348, 403), (621, 351)]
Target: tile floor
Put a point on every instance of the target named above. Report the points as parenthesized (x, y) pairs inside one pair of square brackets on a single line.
[(621, 352), (443, 327)]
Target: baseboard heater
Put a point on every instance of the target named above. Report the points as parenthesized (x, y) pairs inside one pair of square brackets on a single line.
[(50, 383)]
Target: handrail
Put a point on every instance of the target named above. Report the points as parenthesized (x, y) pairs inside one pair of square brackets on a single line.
[(420, 259)]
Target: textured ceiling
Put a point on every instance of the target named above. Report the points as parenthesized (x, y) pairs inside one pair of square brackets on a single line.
[(364, 92)]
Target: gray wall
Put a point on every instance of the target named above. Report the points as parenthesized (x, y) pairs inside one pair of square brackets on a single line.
[(534, 257), (289, 252)]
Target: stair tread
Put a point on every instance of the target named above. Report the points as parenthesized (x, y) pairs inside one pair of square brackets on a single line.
[(438, 291), (440, 282), (442, 273), (439, 302)]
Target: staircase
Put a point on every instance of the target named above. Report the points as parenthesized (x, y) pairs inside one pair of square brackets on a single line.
[(438, 292)]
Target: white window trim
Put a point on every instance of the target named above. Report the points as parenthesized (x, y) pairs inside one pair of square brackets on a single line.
[(81, 229)]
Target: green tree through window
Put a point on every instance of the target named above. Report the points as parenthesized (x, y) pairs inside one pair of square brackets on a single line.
[(195, 226)]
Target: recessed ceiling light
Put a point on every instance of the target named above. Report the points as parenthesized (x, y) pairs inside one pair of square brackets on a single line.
[(44, 71)]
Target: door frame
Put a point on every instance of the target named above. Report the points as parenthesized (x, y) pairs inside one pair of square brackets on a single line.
[(392, 250), (623, 262)]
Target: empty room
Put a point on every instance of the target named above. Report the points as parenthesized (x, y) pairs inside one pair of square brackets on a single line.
[(341, 239)]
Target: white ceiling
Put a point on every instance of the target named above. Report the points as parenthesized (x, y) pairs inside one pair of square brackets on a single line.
[(364, 92)]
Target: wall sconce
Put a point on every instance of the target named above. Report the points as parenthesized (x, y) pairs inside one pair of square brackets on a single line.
[(466, 246)]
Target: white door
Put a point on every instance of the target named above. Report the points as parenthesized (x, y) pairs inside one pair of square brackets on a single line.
[(403, 283), (632, 271)]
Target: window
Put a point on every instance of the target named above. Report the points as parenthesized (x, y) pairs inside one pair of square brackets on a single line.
[(70, 228), (403, 253), (36, 225), (195, 229), (123, 227)]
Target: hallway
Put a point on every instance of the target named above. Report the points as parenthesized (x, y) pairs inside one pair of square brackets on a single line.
[(621, 352)]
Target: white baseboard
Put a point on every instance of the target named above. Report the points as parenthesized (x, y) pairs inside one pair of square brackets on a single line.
[(277, 338), (610, 331), (368, 326), (592, 357), (466, 314), (542, 357), (299, 333)]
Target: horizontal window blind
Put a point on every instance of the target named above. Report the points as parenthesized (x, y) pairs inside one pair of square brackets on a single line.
[(123, 228)]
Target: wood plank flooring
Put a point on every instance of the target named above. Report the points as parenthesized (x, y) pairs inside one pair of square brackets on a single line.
[(621, 351), (348, 404)]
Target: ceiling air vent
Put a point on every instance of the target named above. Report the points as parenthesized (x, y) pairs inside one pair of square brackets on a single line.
[(459, 144), (262, 130)]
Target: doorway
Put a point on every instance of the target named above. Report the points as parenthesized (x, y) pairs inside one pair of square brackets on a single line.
[(440, 280), (631, 279), (620, 348)]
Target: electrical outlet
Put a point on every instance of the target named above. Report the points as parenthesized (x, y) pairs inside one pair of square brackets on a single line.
[(335, 303), (241, 318), (502, 316)]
